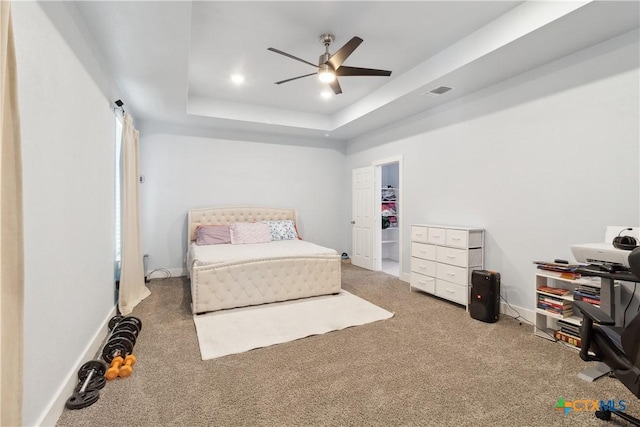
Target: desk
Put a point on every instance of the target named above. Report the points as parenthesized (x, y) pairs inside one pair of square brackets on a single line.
[(607, 291)]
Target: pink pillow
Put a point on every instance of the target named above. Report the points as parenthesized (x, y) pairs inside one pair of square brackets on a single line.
[(249, 232), (212, 235)]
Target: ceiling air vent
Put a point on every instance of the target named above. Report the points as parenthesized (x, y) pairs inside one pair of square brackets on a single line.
[(437, 91)]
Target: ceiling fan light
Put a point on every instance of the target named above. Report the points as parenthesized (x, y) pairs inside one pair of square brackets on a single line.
[(326, 76)]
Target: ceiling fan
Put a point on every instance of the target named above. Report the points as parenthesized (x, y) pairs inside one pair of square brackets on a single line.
[(330, 67)]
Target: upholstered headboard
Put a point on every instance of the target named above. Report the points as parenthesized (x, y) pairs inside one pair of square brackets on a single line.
[(233, 214)]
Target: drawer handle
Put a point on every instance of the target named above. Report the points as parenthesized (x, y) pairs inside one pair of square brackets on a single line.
[(422, 267), (450, 291), (418, 234), (455, 238), (423, 252), (422, 282), (437, 236), (451, 274), (451, 256)]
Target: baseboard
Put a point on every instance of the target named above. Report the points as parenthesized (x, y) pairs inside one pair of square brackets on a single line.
[(515, 311), (56, 406), (162, 273)]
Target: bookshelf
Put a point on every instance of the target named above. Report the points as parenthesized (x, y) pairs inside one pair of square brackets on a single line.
[(555, 319)]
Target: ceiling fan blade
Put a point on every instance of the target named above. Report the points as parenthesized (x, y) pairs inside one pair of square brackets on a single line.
[(336, 87), (291, 56), (295, 78), (343, 53), (356, 71)]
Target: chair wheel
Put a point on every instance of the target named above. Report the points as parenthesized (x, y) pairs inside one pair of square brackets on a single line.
[(603, 415)]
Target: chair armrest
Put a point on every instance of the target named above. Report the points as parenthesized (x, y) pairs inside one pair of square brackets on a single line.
[(592, 312)]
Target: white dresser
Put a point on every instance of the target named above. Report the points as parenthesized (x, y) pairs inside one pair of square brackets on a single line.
[(442, 259)]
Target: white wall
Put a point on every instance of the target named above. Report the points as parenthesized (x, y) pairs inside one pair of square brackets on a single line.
[(541, 161), (184, 172), (68, 160)]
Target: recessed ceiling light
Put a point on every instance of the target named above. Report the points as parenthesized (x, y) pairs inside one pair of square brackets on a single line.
[(326, 94), (237, 79)]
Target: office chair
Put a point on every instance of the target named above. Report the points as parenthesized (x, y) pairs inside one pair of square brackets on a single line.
[(618, 348)]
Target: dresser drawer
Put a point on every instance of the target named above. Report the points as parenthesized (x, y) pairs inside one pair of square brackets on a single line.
[(457, 238), (452, 291), (424, 251), (437, 236), (419, 234), (452, 273), (452, 256), (423, 266), (424, 283)]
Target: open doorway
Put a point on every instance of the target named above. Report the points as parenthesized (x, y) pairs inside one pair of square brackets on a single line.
[(389, 226)]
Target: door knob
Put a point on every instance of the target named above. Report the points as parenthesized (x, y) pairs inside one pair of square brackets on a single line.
[(353, 222)]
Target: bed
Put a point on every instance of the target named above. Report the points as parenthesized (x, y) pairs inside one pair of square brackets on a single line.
[(228, 276)]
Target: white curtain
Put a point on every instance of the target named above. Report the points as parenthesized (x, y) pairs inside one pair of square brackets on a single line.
[(11, 239), (132, 286)]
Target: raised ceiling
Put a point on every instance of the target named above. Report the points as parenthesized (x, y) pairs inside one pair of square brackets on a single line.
[(173, 60)]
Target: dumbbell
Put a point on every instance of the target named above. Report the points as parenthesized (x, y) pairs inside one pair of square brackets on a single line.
[(121, 367), (85, 396)]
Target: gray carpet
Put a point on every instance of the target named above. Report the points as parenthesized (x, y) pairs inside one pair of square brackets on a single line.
[(429, 365)]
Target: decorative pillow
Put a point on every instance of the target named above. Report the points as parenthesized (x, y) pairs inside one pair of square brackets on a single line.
[(212, 235), (282, 230), (249, 232)]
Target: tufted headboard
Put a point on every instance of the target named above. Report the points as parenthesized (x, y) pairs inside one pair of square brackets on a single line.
[(233, 214)]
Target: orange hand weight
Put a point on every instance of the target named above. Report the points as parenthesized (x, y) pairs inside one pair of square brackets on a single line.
[(114, 369), (127, 368)]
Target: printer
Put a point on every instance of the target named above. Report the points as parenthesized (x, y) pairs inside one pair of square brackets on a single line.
[(604, 253), (600, 253)]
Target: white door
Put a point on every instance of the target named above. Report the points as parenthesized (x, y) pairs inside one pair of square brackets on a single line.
[(362, 218)]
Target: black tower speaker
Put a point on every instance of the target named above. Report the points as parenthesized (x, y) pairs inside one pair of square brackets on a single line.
[(485, 296)]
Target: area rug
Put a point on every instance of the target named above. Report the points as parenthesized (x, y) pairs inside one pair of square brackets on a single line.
[(225, 332)]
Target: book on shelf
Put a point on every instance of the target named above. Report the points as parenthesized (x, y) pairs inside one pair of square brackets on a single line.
[(555, 291), (569, 328), (563, 312), (568, 338), (588, 290), (594, 301), (559, 306), (551, 304), (560, 265), (554, 300), (560, 273), (589, 287)]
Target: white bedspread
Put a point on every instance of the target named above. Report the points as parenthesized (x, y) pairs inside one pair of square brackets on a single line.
[(217, 254)]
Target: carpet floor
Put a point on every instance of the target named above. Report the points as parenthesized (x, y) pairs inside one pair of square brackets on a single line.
[(429, 365)]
